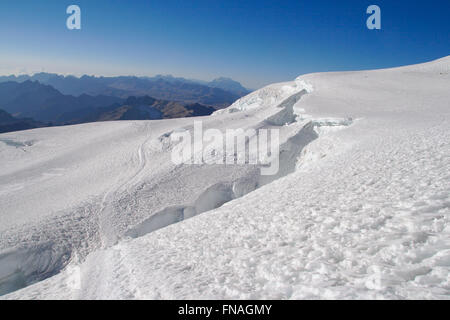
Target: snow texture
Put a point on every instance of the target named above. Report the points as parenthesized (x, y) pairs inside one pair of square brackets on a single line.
[(360, 208)]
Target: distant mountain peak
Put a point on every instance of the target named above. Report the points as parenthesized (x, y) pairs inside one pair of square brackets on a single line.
[(224, 79), (229, 84)]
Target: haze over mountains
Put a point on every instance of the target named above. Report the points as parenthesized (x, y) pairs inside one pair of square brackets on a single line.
[(220, 92), (51, 99)]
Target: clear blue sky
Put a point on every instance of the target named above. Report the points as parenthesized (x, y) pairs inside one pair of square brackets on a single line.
[(255, 42)]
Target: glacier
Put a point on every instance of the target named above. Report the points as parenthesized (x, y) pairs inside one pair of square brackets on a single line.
[(358, 210)]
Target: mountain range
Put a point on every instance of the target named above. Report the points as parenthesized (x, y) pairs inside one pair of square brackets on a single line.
[(31, 104), (220, 92)]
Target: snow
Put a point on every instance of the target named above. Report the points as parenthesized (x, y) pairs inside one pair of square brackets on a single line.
[(358, 210)]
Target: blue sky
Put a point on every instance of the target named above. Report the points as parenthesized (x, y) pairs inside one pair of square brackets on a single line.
[(254, 42)]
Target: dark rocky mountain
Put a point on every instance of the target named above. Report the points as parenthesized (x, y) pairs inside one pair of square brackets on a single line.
[(32, 99), (9, 123), (5, 117), (219, 93), (147, 108), (30, 104)]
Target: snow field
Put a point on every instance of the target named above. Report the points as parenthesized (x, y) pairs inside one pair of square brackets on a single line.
[(359, 208)]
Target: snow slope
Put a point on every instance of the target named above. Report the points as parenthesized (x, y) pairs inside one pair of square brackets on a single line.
[(359, 208)]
